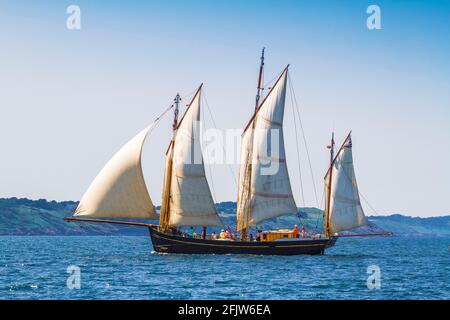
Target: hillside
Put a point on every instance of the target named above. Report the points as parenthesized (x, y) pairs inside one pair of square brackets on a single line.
[(42, 217)]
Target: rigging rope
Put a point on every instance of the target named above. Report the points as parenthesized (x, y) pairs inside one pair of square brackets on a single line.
[(171, 106), (223, 146), (298, 152), (359, 192), (367, 202), (163, 113), (269, 82), (189, 94), (321, 215), (304, 139), (298, 160), (209, 166), (293, 96)]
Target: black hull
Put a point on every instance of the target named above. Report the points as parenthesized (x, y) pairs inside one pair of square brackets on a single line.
[(168, 243)]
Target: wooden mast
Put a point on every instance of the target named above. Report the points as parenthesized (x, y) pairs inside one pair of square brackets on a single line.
[(327, 213), (164, 215), (249, 171), (261, 70), (176, 111)]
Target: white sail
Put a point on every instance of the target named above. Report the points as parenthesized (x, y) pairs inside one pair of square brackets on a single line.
[(190, 199), (345, 210), (119, 190), (264, 186)]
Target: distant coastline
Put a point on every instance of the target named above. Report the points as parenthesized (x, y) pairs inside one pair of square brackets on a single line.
[(24, 217)]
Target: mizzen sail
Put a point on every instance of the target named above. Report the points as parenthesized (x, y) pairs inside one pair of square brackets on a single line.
[(188, 198), (264, 189), (119, 190), (344, 206)]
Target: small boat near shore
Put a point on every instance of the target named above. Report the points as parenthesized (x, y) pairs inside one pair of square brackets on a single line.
[(119, 190)]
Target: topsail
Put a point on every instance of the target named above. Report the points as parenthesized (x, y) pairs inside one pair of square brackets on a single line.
[(264, 186), (344, 206), (119, 190)]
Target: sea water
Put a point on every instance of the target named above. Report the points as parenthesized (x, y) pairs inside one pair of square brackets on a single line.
[(108, 267)]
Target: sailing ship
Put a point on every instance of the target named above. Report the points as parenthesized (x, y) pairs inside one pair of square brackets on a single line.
[(119, 190)]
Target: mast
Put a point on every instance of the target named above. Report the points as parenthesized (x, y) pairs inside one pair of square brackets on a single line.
[(261, 70), (164, 215), (332, 148), (251, 198), (327, 213), (176, 111), (258, 97)]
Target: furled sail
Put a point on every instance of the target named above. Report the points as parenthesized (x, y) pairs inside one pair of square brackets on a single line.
[(119, 190), (344, 206), (264, 189), (188, 198)]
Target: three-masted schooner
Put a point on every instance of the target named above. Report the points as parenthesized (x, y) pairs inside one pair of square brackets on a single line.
[(119, 190)]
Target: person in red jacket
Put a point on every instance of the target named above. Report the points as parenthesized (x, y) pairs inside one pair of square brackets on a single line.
[(295, 231)]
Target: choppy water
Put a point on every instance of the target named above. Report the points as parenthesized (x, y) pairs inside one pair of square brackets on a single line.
[(126, 268)]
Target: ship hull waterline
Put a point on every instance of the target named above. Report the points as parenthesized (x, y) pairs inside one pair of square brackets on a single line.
[(169, 243)]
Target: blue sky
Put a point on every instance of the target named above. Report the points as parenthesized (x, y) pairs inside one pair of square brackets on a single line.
[(70, 99)]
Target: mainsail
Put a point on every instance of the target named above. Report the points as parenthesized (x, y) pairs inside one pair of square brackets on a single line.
[(119, 190), (343, 207), (187, 199), (264, 189)]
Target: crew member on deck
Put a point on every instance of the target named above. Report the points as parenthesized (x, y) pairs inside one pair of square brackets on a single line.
[(203, 234), (258, 235), (295, 231), (228, 233), (222, 234), (303, 232)]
